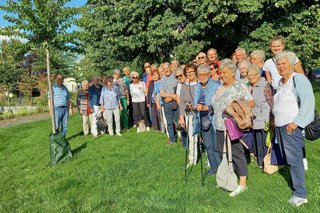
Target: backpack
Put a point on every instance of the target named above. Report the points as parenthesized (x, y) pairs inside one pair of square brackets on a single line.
[(241, 112)]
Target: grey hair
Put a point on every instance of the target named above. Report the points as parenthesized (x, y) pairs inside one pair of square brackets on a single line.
[(254, 68), (134, 73), (96, 77), (290, 55), (244, 62), (84, 82), (258, 54), (116, 71), (228, 64), (240, 49), (179, 69), (203, 67)]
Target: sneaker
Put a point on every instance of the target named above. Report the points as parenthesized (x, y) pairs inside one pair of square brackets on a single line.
[(297, 201), (239, 190), (119, 134), (305, 164), (138, 129), (148, 128), (111, 134)]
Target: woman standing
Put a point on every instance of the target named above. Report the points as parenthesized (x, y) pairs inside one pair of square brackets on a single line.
[(227, 92), (138, 94), (293, 109), (83, 104), (262, 92), (204, 90)]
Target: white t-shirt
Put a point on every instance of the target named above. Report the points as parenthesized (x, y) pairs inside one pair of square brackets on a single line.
[(137, 92), (285, 108), (271, 67)]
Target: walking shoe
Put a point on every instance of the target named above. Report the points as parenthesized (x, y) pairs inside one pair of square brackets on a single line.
[(111, 134), (297, 201), (305, 164), (138, 129), (239, 190), (119, 134), (148, 128)]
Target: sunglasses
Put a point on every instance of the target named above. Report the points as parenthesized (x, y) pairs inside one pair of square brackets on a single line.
[(201, 57), (135, 77), (178, 76)]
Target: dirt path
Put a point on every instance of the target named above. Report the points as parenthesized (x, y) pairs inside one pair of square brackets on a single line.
[(24, 119)]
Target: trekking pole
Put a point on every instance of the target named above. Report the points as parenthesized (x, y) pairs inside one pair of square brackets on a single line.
[(201, 166), (187, 147)]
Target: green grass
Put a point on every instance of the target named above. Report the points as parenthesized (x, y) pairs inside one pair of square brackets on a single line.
[(132, 173)]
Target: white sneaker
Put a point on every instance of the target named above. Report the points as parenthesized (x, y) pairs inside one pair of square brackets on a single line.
[(138, 129), (305, 164), (148, 128), (119, 134), (297, 201), (239, 190), (111, 134)]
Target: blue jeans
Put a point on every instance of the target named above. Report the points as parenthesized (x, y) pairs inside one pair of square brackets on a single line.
[(292, 145), (61, 117), (210, 141), (171, 116)]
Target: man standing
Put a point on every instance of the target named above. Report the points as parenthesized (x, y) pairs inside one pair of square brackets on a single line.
[(168, 85), (94, 97), (213, 56), (62, 104)]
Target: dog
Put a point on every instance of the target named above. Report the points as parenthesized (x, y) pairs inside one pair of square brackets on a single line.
[(142, 126)]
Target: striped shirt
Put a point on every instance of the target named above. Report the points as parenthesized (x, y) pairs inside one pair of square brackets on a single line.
[(60, 95)]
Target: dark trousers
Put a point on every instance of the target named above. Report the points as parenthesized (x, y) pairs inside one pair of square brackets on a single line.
[(155, 117), (260, 144), (292, 145), (139, 112), (171, 116), (210, 141), (238, 157)]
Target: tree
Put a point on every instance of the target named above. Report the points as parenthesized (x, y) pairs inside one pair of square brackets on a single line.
[(118, 32), (42, 22)]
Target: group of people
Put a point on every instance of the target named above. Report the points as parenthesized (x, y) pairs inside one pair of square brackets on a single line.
[(170, 96)]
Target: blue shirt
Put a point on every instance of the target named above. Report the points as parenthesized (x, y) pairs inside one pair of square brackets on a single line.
[(168, 84), (60, 95), (94, 95), (110, 97)]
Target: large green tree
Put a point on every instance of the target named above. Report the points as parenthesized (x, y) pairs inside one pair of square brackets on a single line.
[(43, 23), (119, 32)]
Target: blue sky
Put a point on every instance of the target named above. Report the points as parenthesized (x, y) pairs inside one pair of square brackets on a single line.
[(72, 3)]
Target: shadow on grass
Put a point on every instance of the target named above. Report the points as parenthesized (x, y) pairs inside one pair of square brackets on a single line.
[(74, 136), (79, 148), (285, 173)]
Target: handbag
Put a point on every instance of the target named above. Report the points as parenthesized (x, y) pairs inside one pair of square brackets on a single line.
[(268, 167), (205, 122), (232, 129), (226, 178), (312, 131)]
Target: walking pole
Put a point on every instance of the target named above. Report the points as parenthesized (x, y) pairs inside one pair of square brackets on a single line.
[(201, 166), (187, 147)]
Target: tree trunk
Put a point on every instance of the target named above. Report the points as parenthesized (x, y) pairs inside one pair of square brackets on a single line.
[(50, 89)]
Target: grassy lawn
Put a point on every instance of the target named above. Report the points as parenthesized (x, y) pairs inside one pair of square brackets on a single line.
[(132, 173)]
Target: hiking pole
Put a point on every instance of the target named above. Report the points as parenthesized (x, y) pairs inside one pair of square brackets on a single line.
[(187, 146), (201, 166)]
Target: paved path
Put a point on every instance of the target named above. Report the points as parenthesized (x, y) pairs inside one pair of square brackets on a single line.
[(24, 119)]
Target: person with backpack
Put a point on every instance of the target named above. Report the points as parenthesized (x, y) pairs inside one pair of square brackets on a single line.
[(226, 93), (293, 109)]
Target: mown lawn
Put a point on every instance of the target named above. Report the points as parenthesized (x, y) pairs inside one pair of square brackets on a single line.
[(132, 173)]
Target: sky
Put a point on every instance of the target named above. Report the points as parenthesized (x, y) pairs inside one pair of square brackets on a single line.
[(3, 23)]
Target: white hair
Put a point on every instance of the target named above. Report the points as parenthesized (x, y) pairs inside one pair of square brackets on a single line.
[(244, 62), (228, 64), (258, 54), (254, 68), (290, 55), (203, 67), (240, 49), (84, 82)]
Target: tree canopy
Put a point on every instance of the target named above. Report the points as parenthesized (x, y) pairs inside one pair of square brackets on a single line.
[(133, 31)]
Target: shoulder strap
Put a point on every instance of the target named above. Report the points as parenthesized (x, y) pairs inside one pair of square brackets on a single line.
[(295, 89)]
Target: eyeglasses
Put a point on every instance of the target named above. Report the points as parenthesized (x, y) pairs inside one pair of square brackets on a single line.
[(135, 77), (178, 76), (189, 73)]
